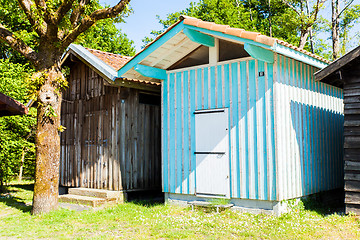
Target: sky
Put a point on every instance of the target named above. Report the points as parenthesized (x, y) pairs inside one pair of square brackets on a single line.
[(140, 23), (143, 19)]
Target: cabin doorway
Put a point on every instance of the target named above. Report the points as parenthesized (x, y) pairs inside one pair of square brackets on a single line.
[(212, 153)]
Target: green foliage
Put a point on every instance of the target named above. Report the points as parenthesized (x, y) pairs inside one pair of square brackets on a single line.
[(106, 37), (103, 35), (16, 132), (14, 18)]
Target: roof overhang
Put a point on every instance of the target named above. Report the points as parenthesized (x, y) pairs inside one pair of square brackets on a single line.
[(332, 74), (183, 38), (108, 73), (10, 107), (104, 70)]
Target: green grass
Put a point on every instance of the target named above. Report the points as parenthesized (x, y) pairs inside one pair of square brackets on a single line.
[(149, 221)]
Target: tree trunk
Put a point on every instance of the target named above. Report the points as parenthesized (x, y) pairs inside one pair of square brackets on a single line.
[(303, 37), (270, 23), (335, 28), (46, 188), (22, 164)]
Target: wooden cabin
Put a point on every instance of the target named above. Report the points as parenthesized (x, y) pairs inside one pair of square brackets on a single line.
[(112, 138), (344, 73), (10, 107), (242, 116)]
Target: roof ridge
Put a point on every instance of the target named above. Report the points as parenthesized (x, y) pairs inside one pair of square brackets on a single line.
[(110, 53)]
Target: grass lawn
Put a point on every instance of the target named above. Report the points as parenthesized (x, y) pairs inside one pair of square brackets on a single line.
[(144, 221)]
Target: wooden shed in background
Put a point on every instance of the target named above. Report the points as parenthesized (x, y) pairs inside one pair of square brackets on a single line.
[(112, 138), (345, 73)]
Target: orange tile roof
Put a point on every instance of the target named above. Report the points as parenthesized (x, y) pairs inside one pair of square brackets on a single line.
[(116, 61), (257, 37)]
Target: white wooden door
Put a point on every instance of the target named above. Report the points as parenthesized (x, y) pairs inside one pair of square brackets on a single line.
[(212, 153)]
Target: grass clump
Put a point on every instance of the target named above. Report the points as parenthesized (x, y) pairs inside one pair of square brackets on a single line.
[(156, 221)]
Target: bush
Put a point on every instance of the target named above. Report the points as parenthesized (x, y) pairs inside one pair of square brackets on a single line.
[(16, 132)]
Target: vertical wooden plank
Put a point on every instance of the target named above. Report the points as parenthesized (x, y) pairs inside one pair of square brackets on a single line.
[(146, 151), (115, 147), (106, 140), (142, 134), (123, 145)]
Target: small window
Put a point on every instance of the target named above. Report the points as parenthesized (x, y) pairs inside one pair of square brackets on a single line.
[(229, 50), (199, 56), (149, 99)]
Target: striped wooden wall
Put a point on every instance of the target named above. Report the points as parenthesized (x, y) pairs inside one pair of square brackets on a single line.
[(111, 140), (235, 85), (309, 131)]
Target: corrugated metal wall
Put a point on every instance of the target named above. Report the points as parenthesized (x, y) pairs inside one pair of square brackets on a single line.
[(111, 141), (238, 86), (309, 132)]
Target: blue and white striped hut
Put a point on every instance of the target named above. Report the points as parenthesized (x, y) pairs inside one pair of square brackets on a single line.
[(242, 117)]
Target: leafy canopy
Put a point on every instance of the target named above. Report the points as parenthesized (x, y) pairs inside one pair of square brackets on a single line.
[(16, 132)]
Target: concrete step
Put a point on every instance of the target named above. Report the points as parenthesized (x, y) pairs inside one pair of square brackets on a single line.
[(210, 205), (82, 200), (98, 193)]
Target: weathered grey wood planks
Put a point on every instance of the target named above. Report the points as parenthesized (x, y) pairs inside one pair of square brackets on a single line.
[(112, 140)]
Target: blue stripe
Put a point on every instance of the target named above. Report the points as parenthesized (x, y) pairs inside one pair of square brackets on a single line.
[(192, 116), (252, 92), (301, 130), (212, 87), (179, 157), (235, 115), (172, 133), (272, 132), (206, 88), (219, 86), (165, 137), (244, 135), (262, 90), (227, 104), (199, 89), (327, 120), (226, 80), (186, 131)]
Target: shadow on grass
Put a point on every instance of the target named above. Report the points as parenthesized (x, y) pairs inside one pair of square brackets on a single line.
[(326, 203), (11, 200), (146, 198)]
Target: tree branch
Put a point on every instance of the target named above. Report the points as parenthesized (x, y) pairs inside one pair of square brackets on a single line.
[(26, 5), (63, 9), (291, 6), (43, 9), (345, 7), (75, 15), (88, 21), (18, 45)]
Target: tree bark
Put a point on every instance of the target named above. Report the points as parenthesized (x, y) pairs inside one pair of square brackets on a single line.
[(335, 28), (303, 37), (22, 164), (46, 188)]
